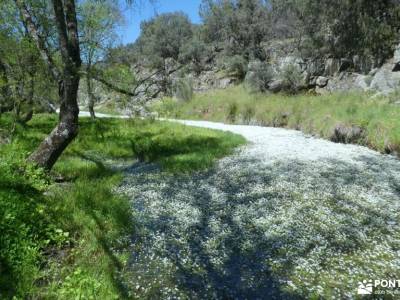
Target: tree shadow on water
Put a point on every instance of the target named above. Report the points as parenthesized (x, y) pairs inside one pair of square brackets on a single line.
[(243, 273), (237, 265)]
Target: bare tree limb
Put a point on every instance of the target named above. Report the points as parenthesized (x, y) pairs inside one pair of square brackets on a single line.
[(134, 93), (37, 38), (113, 86)]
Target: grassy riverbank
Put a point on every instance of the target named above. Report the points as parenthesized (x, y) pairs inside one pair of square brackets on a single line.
[(65, 235), (346, 117)]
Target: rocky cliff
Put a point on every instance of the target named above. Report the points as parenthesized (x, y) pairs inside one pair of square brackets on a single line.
[(322, 74)]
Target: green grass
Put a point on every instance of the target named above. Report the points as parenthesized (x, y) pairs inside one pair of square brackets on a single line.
[(178, 149), (317, 115), (70, 240)]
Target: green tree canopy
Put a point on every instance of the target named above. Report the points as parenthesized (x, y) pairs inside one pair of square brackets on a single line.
[(163, 37)]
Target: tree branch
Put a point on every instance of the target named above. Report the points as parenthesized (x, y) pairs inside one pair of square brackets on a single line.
[(38, 39), (143, 80), (113, 86), (61, 29), (72, 31), (134, 93)]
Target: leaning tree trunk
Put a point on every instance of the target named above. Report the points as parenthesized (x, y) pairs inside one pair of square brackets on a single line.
[(52, 147), (67, 128), (92, 98)]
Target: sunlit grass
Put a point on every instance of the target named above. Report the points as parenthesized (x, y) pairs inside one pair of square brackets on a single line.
[(71, 239), (317, 115)]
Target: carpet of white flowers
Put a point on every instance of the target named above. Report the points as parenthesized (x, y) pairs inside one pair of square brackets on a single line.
[(286, 217)]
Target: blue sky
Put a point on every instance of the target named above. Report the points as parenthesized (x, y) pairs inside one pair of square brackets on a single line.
[(144, 10)]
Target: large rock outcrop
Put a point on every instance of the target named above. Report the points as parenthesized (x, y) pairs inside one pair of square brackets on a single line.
[(385, 80), (211, 79), (359, 73)]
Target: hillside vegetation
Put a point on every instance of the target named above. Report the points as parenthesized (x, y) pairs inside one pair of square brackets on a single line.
[(342, 117), (285, 45)]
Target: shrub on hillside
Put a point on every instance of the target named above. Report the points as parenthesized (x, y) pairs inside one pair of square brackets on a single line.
[(292, 78), (184, 89), (258, 76), (236, 66), (194, 53)]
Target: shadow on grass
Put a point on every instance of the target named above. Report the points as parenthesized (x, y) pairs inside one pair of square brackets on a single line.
[(8, 280), (86, 206), (98, 161), (20, 225), (104, 220), (117, 264), (182, 153)]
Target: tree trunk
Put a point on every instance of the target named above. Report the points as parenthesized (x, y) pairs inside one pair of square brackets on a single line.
[(52, 147), (92, 98), (29, 101), (67, 128), (5, 103)]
